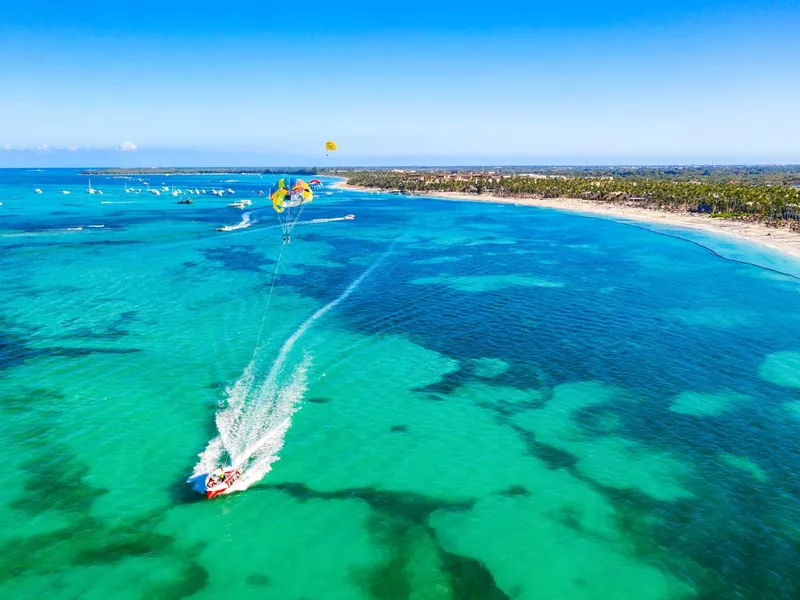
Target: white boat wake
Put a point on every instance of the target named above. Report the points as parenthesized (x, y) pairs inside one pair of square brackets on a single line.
[(43, 232), (243, 224), (247, 221), (331, 220), (253, 420)]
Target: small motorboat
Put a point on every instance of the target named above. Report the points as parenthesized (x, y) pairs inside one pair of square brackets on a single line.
[(350, 217), (38, 190), (239, 205), (186, 201), (220, 480)]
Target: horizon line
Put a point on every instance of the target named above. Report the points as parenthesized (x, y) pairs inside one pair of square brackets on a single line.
[(482, 167)]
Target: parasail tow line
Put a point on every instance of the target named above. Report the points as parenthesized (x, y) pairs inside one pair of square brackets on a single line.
[(269, 299)]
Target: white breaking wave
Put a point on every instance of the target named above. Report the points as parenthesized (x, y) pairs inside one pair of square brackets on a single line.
[(257, 413)]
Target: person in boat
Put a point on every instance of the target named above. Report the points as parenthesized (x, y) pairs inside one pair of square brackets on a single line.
[(216, 478)]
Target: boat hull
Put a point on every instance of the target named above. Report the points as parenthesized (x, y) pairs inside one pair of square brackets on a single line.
[(214, 490)]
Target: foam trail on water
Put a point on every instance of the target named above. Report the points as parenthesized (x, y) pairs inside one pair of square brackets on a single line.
[(244, 223), (257, 414), (65, 230), (315, 221), (240, 226)]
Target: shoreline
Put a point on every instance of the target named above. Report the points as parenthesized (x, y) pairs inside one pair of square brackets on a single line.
[(780, 239)]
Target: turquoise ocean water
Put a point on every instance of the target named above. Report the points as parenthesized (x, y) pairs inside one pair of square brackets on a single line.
[(450, 400)]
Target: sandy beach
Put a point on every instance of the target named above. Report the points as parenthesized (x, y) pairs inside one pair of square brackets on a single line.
[(776, 238)]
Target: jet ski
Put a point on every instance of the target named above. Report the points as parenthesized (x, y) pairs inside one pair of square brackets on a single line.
[(220, 481), (350, 217)]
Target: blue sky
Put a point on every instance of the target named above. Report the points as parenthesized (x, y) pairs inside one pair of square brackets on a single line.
[(251, 83)]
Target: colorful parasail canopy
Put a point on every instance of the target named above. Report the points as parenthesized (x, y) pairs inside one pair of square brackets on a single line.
[(330, 146), (289, 193)]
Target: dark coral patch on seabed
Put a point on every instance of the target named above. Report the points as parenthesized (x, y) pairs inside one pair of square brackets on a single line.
[(398, 515)]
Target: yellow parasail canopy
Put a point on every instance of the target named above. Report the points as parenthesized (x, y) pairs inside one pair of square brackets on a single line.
[(330, 146)]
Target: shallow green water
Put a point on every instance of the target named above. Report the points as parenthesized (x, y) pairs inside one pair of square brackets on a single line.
[(451, 400)]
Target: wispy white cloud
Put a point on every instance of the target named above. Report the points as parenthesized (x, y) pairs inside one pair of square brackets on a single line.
[(123, 147)]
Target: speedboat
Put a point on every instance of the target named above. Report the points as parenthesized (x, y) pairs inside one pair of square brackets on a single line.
[(240, 205), (350, 217), (220, 481), (38, 190)]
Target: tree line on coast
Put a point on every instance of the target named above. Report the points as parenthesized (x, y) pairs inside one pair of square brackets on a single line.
[(772, 204)]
